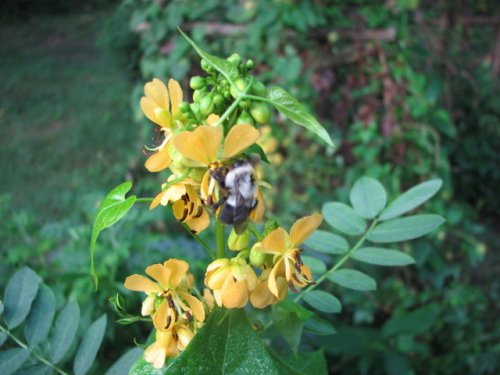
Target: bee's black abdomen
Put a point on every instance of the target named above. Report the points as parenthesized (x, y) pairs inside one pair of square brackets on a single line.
[(234, 215)]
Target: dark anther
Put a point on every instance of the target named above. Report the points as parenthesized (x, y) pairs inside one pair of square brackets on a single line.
[(199, 212)]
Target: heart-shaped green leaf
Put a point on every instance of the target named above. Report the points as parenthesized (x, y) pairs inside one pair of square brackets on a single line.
[(112, 209)]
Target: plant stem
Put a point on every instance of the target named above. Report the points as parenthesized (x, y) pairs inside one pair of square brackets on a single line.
[(232, 107), (144, 200), (200, 240), (219, 235), (258, 98), (337, 265), (25, 346)]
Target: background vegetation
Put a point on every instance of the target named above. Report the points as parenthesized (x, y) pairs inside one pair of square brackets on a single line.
[(408, 89)]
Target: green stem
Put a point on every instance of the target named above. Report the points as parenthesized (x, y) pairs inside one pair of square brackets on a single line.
[(200, 240), (232, 107), (25, 346), (257, 98), (144, 200), (219, 235), (337, 265)]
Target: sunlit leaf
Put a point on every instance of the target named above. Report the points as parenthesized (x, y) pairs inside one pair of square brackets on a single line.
[(323, 301), (112, 209), (224, 67), (40, 318), (411, 199), (328, 243), (89, 346), (353, 279), (368, 197), (226, 344), (382, 257), (290, 107), (20, 292), (343, 218), (405, 228), (64, 331), (12, 359)]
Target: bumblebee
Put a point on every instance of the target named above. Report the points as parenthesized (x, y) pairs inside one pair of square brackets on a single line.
[(237, 183)]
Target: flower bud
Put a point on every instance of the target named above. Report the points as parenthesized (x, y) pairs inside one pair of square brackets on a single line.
[(197, 83), (218, 99), (234, 59), (238, 242), (258, 88), (249, 64), (206, 105), (245, 118), (257, 257), (260, 113)]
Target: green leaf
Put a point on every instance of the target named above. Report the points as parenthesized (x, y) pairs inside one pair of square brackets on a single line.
[(303, 363), (40, 318), (3, 338), (224, 67), (112, 209), (20, 292), (328, 243), (396, 364), (290, 107), (343, 218), (289, 325), (411, 199), (64, 331), (368, 197), (226, 344), (412, 323), (382, 257), (353, 279), (91, 342), (256, 149), (405, 228), (1, 308), (12, 359), (122, 366), (323, 301), (294, 307), (316, 265), (35, 370), (319, 327)]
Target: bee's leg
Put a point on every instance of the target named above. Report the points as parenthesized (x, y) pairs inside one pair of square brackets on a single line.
[(219, 203), (255, 203)]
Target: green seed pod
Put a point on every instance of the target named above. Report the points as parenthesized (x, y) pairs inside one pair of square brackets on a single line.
[(238, 242), (197, 82), (245, 118), (184, 107), (258, 88), (206, 105), (197, 95), (260, 112), (195, 108), (205, 65), (244, 104), (249, 64)]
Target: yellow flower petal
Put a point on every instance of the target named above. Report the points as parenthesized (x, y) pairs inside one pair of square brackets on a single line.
[(163, 117), (261, 297), (161, 316), (140, 283), (275, 242), (200, 145), (173, 193), (155, 354), (158, 161), (196, 306), (239, 138), (178, 269), (175, 95), (160, 274), (148, 107), (205, 182), (199, 224), (162, 93), (234, 294), (271, 282), (304, 227), (257, 213), (212, 119)]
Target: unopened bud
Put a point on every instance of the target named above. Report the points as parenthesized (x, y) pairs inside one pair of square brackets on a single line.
[(238, 242)]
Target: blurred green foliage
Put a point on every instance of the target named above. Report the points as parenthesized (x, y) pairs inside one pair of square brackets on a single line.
[(407, 88)]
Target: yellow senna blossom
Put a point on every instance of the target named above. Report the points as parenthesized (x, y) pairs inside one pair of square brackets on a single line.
[(262, 297), (286, 255), (168, 344), (172, 288), (187, 205), (161, 105), (231, 281)]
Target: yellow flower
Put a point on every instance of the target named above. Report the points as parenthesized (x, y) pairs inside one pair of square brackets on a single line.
[(161, 105), (187, 205), (168, 344), (262, 297), (231, 281), (172, 289), (287, 262)]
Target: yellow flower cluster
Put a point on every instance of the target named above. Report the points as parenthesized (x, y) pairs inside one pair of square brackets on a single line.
[(192, 152), (277, 256), (175, 312)]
